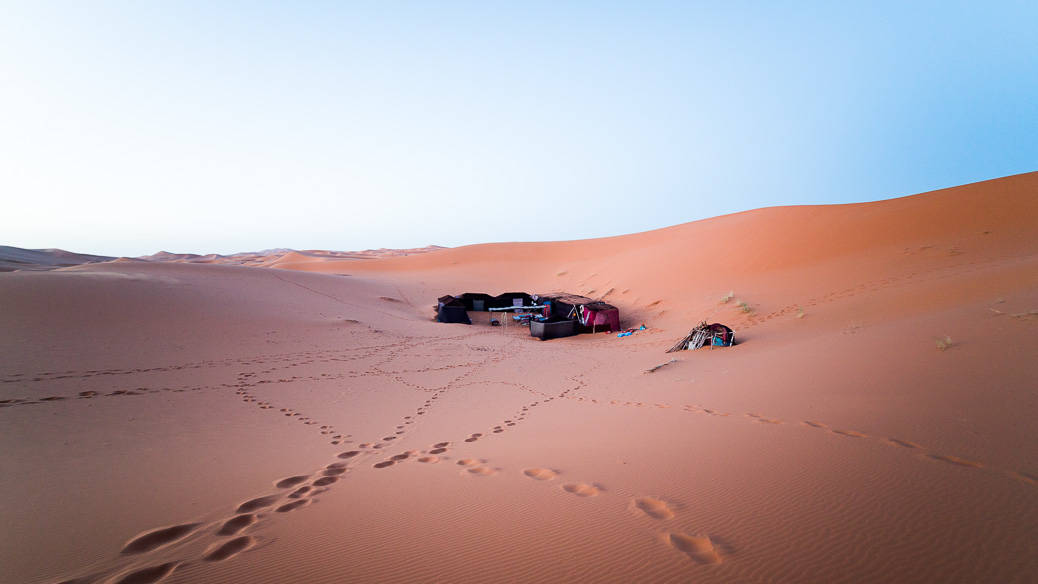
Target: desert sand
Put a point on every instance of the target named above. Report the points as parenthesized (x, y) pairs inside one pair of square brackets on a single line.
[(301, 418)]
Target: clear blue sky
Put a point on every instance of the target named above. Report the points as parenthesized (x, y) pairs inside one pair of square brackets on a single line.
[(129, 127)]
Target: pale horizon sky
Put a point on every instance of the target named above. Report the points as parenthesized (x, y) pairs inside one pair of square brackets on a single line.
[(218, 127)]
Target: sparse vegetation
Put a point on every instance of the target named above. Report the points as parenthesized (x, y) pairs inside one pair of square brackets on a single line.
[(943, 343), (800, 312), (728, 297), (744, 307)]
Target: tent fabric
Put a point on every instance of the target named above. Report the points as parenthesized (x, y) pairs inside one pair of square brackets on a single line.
[(476, 300), (718, 330), (600, 314), (453, 313), (479, 301), (511, 299), (553, 328), (592, 314)]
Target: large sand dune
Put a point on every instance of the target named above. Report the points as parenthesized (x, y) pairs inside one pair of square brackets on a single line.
[(184, 422)]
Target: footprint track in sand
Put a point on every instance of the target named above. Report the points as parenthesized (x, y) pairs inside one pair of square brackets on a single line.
[(956, 460), (903, 443), (228, 549), (157, 538), (850, 433), (293, 506), (481, 471), (235, 524), (429, 459), (582, 489), (291, 481), (699, 548), (654, 507), (540, 474), (325, 481), (257, 503), (148, 575)]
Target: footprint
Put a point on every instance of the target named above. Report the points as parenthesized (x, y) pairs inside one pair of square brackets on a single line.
[(349, 454), (158, 538), (903, 443), (815, 424), (441, 445), (219, 553), (437, 451), (540, 474), (384, 463), (148, 575), (653, 507), (581, 489), (699, 548), (293, 505), (956, 460), (235, 524), (290, 481), (468, 462), (481, 471), (850, 433), (331, 472), (1025, 477), (257, 503), (429, 459)]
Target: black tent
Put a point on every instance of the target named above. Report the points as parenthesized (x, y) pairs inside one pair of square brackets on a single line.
[(563, 305), (510, 299), (476, 301), (451, 309)]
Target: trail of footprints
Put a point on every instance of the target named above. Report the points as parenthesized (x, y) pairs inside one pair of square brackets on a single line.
[(299, 491), (1022, 476)]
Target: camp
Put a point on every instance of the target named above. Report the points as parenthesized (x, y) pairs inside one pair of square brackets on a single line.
[(549, 316)]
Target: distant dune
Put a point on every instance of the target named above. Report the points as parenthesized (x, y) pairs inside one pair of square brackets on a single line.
[(16, 258), (196, 419)]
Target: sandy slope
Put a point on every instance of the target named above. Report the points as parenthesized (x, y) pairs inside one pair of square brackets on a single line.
[(836, 443)]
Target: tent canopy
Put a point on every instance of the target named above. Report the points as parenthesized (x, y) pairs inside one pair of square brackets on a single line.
[(592, 314)]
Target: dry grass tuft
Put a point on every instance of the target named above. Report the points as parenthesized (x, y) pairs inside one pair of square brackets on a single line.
[(728, 297), (944, 343)]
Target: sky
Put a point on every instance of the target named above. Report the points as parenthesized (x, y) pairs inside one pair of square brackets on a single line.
[(217, 127)]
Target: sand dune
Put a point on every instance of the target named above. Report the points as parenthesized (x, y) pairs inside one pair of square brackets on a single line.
[(16, 259), (188, 422)]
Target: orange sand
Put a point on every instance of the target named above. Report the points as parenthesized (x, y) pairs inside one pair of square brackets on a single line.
[(189, 422)]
